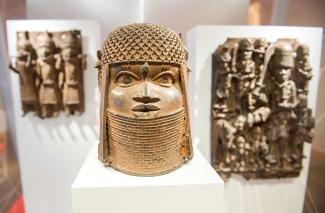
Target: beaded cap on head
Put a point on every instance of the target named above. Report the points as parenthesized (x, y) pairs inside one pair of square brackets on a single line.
[(143, 42), (224, 54), (23, 43), (246, 44), (70, 39), (303, 49), (45, 40), (23, 40), (260, 45), (283, 56)]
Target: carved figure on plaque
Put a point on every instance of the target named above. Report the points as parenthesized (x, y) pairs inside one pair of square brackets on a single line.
[(71, 76), (48, 75), (25, 68)]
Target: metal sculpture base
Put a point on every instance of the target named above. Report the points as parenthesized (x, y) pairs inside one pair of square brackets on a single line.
[(195, 187)]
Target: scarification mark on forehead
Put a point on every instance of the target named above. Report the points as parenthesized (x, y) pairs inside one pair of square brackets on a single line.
[(126, 67), (165, 67), (145, 69)]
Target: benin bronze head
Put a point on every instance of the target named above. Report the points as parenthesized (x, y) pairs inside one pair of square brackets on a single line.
[(144, 112)]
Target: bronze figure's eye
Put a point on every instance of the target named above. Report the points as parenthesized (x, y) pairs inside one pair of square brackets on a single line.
[(126, 79), (165, 79)]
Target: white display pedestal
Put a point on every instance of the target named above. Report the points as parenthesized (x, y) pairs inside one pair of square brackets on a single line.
[(195, 187), (51, 151), (242, 196)]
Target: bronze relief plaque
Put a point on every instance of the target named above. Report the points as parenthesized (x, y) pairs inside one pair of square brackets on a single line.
[(259, 115), (50, 67)]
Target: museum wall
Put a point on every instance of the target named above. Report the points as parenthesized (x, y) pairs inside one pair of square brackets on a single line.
[(113, 13), (190, 13), (108, 13)]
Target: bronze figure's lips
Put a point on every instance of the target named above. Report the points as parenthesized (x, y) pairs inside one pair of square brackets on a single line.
[(145, 108)]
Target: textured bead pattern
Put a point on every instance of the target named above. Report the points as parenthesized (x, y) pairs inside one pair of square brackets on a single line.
[(143, 42), (146, 147)]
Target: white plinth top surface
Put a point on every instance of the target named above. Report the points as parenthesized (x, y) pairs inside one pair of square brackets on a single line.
[(94, 174)]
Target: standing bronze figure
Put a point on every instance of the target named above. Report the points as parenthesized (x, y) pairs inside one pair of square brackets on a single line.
[(71, 76), (264, 120), (48, 75), (144, 111), (25, 67)]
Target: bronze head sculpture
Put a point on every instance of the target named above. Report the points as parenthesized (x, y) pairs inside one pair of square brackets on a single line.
[(144, 111), (261, 121)]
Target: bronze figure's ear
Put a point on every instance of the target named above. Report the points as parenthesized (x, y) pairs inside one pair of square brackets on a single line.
[(144, 106), (98, 63), (260, 117), (99, 55)]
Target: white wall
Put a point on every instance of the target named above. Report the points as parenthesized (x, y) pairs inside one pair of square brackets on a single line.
[(180, 15), (108, 13)]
